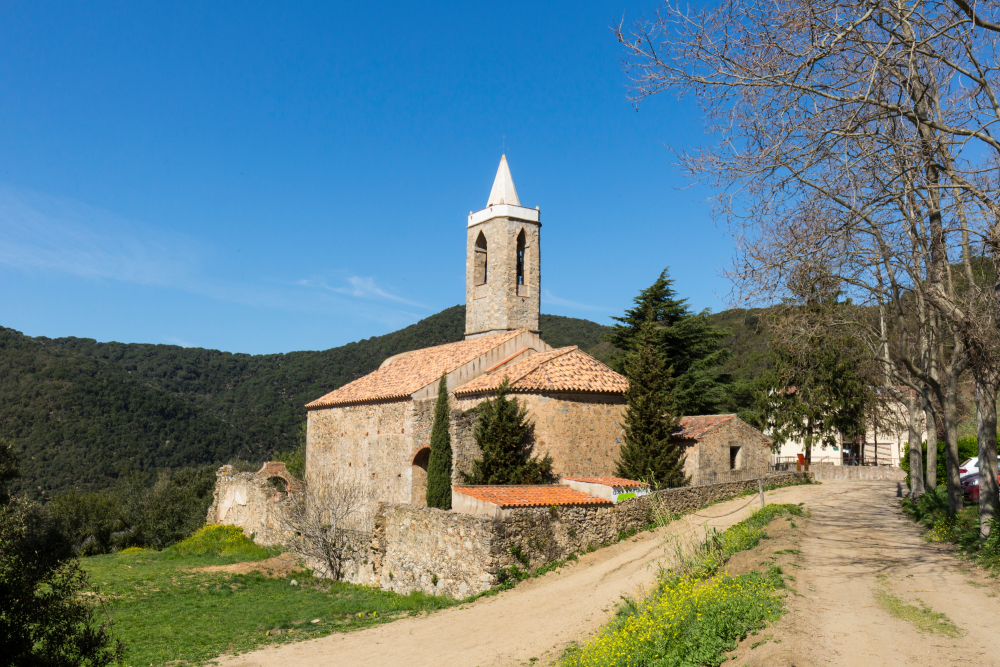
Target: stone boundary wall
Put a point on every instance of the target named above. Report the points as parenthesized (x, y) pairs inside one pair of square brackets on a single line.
[(455, 554), (828, 471)]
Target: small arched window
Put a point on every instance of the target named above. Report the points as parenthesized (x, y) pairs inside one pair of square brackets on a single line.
[(480, 261), (520, 257)]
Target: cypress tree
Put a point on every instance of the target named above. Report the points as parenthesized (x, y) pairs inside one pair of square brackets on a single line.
[(503, 434), (439, 466), (650, 419)]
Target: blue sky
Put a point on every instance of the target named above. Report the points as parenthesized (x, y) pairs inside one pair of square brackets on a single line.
[(273, 177)]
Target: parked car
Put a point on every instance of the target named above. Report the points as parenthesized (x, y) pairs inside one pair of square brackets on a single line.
[(971, 466), (970, 487)]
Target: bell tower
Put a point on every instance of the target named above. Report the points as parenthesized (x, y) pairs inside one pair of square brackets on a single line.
[(502, 262)]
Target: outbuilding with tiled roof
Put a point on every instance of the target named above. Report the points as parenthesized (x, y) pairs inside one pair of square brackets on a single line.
[(721, 447)]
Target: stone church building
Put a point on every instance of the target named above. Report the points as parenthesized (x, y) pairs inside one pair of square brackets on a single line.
[(378, 427)]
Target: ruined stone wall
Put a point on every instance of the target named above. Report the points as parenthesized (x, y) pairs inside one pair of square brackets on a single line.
[(250, 501), (500, 304), (454, 554), (580, 431)]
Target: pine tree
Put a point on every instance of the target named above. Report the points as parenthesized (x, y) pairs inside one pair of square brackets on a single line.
[(648, 452), (439, 466), (503, 434), (688, 342)]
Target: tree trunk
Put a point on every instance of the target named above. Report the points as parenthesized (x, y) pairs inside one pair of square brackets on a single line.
[(808, 443), (930, 419), (916, 457), (949, 408), (986, 432)]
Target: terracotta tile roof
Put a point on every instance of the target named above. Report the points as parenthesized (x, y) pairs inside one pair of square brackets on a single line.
[(406, 373), (565, 369), (607, 481), (530, 495), (693, 428)]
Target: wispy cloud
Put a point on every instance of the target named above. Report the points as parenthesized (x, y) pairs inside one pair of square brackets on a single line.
[(362, 288), (53, 235), (551, 299), (41, 232)]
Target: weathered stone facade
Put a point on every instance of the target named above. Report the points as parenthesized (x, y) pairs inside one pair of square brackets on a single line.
[(376, 441), (731, 446), (253, 501), (581, 432), (453, 554), (496, 298)]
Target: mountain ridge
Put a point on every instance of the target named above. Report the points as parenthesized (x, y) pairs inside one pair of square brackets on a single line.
[(83, 413)]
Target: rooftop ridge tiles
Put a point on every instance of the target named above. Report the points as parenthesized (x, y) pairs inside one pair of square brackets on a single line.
[(409, 372)]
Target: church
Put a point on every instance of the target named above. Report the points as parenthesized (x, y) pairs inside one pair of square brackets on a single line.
[(378, 427)]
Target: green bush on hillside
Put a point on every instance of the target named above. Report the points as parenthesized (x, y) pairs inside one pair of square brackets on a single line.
[(132, 514)]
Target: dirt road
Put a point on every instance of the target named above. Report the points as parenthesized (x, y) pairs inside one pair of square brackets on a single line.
[(859, 555), (855, 543)]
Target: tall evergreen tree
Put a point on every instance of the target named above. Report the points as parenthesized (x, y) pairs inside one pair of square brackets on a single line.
[(439, 466), (688, 341), (650, 417), (503, 434)]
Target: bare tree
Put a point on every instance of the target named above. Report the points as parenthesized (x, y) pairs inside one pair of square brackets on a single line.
[(858, 134), (329, 526)]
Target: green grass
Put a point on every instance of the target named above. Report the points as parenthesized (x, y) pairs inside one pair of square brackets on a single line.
[(923, 618), (696, 613), (166, 612)]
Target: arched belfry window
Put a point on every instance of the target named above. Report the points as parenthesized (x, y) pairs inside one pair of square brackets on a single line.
[(520, 257), (480, 261)]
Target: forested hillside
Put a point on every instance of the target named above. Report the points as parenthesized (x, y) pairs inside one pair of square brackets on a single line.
[(82, 413)]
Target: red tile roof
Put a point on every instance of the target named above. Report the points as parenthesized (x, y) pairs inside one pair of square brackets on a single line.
[(694, 428), (607, 481), (565, 369), (400, 376), (530, 495)]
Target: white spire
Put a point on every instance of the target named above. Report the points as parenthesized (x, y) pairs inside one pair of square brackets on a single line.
[(503, 191)]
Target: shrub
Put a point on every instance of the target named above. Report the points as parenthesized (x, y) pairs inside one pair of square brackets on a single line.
[(220, 542), (693, 617)]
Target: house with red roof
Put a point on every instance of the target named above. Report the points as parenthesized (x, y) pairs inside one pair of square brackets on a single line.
[(718, 444)]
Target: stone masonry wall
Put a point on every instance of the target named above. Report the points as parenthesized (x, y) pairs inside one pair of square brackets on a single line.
[(713, 451), (499, 304), (829, 471), (454, 554), (375, 442), (580, 431), (248, 500)]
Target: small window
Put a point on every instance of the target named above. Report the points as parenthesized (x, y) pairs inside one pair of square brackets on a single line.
[(735, 460), (480, 261), (520, 258)]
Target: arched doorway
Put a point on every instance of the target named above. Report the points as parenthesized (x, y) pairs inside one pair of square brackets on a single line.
[(418, 477)]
